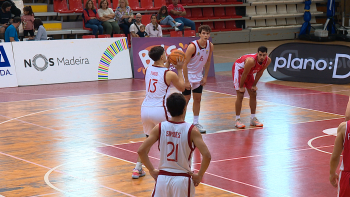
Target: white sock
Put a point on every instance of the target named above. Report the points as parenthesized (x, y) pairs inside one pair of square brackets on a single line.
[(195, 119), (252, 116), (138, 166), (238, 117)]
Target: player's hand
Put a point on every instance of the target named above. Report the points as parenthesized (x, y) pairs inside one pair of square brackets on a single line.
[(254, 88), (154, 174), (241, 90), (204, 81), (333, 178), (187, 85), (180, 63), (196, 178)]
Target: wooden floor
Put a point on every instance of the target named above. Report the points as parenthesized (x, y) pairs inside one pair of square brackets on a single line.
[(80, 139)]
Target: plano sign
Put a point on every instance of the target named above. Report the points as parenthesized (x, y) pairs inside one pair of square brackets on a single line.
[(315, 63)]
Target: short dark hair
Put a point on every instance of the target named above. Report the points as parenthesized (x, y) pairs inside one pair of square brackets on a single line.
[(205, 28), (176, 104), (5, 5), (156, 52), (16, 19), (37, 23), (262, 49)]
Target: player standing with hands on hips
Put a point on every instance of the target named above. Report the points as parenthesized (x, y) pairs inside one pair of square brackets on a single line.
[(243, 71)]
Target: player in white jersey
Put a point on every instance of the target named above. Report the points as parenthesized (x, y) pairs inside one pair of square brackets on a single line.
[(198, 55), (158, 78), (176, 143)]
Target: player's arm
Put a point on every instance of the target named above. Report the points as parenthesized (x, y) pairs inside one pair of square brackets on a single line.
[(143, 151), (337, 150), (206, 157), (189, 52), (260, 73), (183, 12), (248, 65), (347, 112), (207, 65)]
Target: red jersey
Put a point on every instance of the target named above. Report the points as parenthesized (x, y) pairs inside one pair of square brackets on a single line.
[(240, 63), (345, 164)]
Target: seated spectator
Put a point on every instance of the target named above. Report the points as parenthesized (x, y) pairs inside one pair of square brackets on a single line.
[(28, 21), (153, 29), (107, 17), (14, 10), (142, 32), (165, 19), (5, 16), (11, 31), (41, 34), (135, 27), (177, 11), (124, 15), (92, 19)]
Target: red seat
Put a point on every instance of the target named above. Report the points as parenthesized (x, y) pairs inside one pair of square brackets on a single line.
[(176, 34), (168, 2), (88, 36), (75, 6), (86, 27), (188, 13), (190, 33), (159, 3), (211, 25), (196, 2), (61, 6), (232, 26), (134, 5), (234, 1), (197, 26), (148, 5), (115, 4), (146, 19), (220, 12), (104, 36), (211, 2), (96, 6), (186, 2), (209, 14), (197, 13), (118, 35), (166, 32), (231, 11), (223, 2), (220, 25), (109, 4)]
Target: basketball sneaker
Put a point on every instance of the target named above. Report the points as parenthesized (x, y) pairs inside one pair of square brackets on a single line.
[(256, 122), (138, 173), (200, 128), (177, 24), (239, 124), (177, 29)]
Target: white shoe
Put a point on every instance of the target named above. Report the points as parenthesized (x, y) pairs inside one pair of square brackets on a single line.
[(177, 24), (177, 29), (200, 128)]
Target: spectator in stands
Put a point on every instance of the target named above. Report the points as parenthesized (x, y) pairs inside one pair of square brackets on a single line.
[(142, 32), (135, 27), (154, 29), (5, 16), (41, 34), (165, 19), (107, 17), (177, 11), (125, 16), (92, 19), (11, 32), (28, 21), (14, 10)]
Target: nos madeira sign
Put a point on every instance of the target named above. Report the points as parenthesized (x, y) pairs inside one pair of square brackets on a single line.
[(315, 63)]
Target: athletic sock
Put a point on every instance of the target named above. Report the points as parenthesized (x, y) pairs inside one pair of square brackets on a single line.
[(252, 116), (195, 119), (138, 166), (238, 117)]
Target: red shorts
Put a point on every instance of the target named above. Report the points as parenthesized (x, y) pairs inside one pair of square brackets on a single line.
[(344, 184), (237, 74)]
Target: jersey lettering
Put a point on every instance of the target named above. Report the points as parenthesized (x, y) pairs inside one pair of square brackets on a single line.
[(173, 134)]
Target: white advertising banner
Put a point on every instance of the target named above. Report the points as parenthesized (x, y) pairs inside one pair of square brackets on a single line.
[(62, 61), (7, 66)]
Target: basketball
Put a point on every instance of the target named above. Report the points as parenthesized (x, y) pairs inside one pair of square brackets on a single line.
[(176, 54)]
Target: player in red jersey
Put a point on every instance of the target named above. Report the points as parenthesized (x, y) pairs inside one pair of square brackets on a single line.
[(341, 144), (243, 71)]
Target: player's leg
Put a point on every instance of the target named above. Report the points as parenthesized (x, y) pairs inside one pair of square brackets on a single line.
[(187, 95), (161, 186), (240, 95), (197, 97), (252, 102), (182, 186)]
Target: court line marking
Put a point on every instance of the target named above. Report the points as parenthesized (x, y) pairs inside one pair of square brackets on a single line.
[(44, 194), (312, 139)]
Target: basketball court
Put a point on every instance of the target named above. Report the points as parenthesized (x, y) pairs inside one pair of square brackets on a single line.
[(80, 139)]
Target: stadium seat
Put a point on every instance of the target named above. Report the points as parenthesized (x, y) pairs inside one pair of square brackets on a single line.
[(300, 20), (261, 10), (146, 19), (260, 23), (104, 36), (220, 12), (291, 9), (99, 1), (234, 1), (61, 6), (291, 21), (281, 9), (196, 2), (313, 20), (211, 25), (168, 2), (281, 21), (313, 8), (88, 36), (197, 13), (115, 4), (197, 26), (159, 3), (86, 27), (223, 2), (231, 11), (118, 35), (190, 33), (134, 5), (271, 22), (220, 26), (148, 5), (166, 32), (75, 6), (249, 23), (209, 14), (211, 2), (300, 8), (271, 10), (188, 13), (96, 6), (186, 2), (176, 34), (250, 11), (232, 26)]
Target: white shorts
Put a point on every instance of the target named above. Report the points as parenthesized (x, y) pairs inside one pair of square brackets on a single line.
[(195, 80), (151, 116), (173, 186)]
